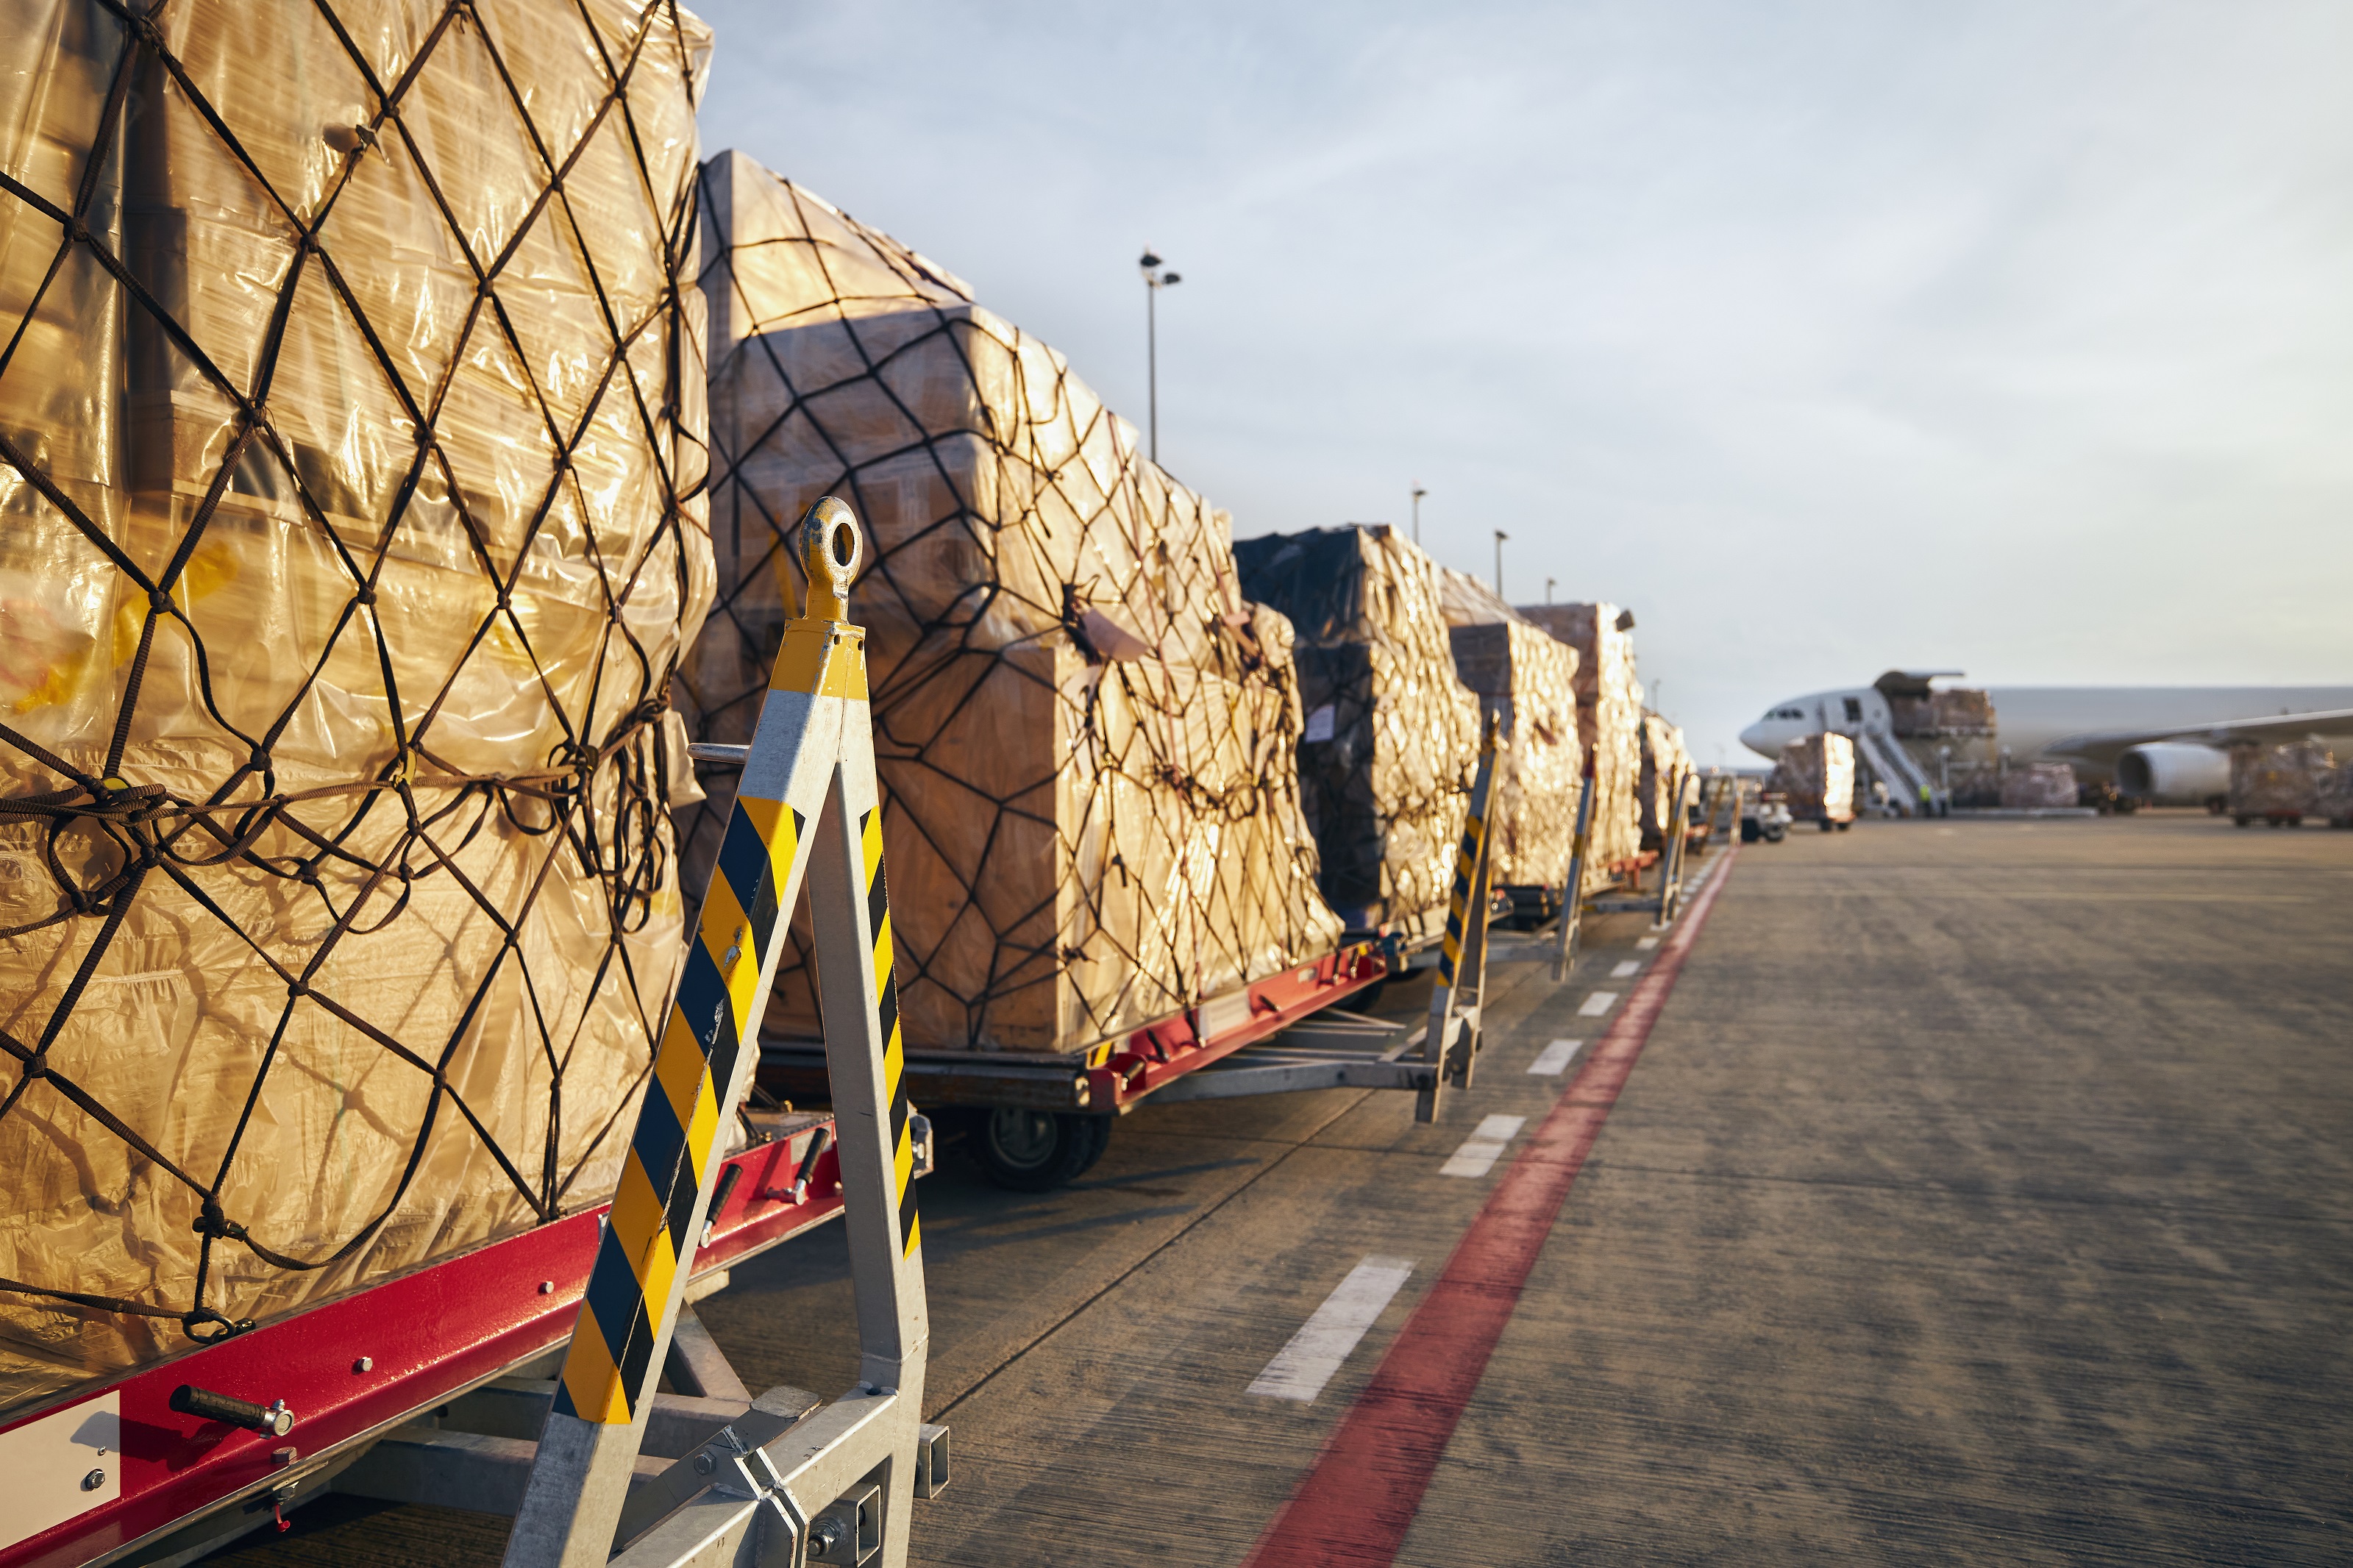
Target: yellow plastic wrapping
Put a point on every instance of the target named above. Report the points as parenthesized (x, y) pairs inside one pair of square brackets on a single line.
[(347, 555), (1087, 740), (1527, 681), (1392, 738), (1608, 721)]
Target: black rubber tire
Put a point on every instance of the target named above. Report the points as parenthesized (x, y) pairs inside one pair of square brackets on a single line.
[(1038, 1151)]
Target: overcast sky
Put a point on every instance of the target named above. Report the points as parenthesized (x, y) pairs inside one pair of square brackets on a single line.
[(2015, 339)]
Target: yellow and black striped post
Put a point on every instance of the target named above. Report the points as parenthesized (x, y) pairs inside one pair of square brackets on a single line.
[(815, 741), (1462, 956)]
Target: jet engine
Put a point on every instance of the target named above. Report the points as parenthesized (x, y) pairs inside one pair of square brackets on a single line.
[(2174, 772)]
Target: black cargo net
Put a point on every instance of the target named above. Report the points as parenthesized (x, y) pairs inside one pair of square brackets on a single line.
[(349, 419), (1085, 738)]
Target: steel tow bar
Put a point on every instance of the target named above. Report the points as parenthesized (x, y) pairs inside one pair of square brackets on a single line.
[(1451, 1041), (1572, 900), (775, 1487)]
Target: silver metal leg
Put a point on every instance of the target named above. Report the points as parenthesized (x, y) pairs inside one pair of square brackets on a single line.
[(1572, 903)]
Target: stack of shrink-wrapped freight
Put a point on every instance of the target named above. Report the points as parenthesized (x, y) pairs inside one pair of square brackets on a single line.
[(1392, 737), (1666, 764), (2335, 798), (1816, 774), (2279, 780), (346, 560), (1609, 720), (2039, 787), (1527, 681), (1086, 738)]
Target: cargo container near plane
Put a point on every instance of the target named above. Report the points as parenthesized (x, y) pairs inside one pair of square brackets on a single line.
[(2168, 744)]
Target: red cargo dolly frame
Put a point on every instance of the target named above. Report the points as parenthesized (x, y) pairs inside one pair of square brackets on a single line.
[(353, 1369), (1051, 1113)]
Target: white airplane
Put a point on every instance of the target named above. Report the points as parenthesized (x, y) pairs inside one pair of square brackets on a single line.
[(2168, 744)]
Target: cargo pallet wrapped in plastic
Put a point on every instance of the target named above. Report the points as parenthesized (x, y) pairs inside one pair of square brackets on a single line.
[(1608, 719), (347, 442), (1816, 775), (1665, 765), (1527, 681), (2040, 786), (1392, 736), (2279, 782), (1085, 737), (2335, 799)]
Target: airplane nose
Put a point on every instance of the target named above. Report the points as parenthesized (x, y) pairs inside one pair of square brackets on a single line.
[(1754, 739)]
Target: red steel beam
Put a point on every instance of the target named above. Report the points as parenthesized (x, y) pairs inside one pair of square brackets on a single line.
[(427, 1337), (1171, 1048)]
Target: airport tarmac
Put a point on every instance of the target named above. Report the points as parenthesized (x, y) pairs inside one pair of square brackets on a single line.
[(1979, 1194)]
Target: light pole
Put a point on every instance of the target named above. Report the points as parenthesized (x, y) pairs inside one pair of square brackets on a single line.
[(1155, 280), (1549, 582), (1499, 537), (1417, 493)]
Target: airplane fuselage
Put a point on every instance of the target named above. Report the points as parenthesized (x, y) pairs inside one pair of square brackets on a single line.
[(2031, 719)]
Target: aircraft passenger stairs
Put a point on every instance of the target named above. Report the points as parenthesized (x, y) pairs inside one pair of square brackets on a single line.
[(1898, 769)]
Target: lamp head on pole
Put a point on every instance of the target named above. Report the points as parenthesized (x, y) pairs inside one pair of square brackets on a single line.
[(1150, 265)]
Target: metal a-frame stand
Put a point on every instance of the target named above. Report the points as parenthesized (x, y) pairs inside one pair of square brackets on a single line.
[(1450, 1044), (1676, 853), (782, 1485), (1572, 900)]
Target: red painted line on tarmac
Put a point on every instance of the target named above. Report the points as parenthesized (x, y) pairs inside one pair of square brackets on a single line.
[(1357, 1502)]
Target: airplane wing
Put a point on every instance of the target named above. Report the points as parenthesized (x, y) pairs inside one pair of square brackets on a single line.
[(2106, 745)]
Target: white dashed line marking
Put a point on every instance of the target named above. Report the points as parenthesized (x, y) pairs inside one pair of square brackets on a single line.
[(1554, 1059), (1481, 1149), (1600, 1002), (1627, 969), (1647, 943), (1300, 1369)]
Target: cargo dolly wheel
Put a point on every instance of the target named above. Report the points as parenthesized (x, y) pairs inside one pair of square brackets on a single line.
[(1037, 1151)]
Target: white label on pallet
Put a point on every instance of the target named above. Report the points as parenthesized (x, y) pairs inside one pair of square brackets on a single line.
[(65, 1463), (1302, 1368), (1221, 1014), (1554, 1059), (1600, 1002), (1483, 1147), (1319, 725)]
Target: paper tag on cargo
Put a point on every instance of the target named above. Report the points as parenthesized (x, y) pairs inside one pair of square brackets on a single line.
[(1319, 725)]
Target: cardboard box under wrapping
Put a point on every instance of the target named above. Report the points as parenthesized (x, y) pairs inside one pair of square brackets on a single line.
[(1609, 718), (1816, 775), (1527, 680), (1392, 736), (365, 579), (1086, 740)]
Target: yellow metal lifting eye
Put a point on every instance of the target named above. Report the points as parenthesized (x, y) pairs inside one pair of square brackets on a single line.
[(831, 547)]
